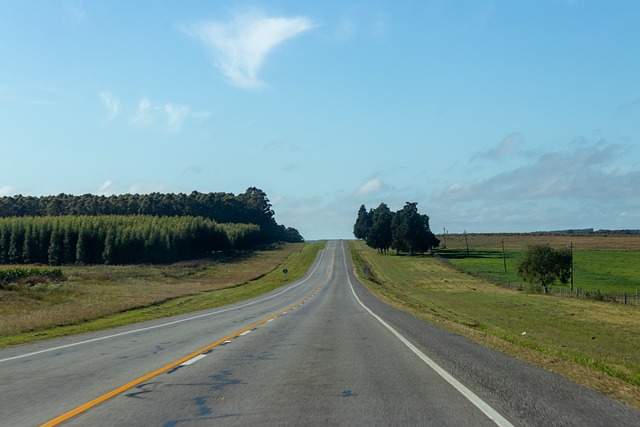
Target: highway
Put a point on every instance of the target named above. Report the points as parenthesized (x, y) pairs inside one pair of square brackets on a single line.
[(321, 351)]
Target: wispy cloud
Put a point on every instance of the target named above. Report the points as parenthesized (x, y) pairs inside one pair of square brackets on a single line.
[(143, 116), (105, 187), (6, 190), (75, 11), (169, 116), (175, 115), (509, 146), (369, 187), (588, 172), (239, 48), (109, 187), (111, 103)]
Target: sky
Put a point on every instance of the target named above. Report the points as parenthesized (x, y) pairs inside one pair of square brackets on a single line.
[(494, 116)]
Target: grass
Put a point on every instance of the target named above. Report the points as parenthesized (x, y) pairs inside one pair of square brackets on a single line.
[(601, 263), (593, 343), (100, 297)]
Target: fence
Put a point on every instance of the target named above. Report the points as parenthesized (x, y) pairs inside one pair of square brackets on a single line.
[(561, 291), (612, 297)]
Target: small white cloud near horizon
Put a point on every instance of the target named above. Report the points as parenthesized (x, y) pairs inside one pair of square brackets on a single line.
[(239, 48), (104, 187), (369, 187), (6, 190), (111, 103)]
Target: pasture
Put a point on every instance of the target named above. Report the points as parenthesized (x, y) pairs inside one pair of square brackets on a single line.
[(609, 264)]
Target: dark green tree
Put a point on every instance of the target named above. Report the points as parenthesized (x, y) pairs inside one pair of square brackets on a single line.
[(425, 240), (406, 228), (544, 265), (56, 251), (363, 223), (379, 236)]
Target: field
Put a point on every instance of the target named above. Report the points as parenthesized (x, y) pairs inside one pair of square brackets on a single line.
[(593, 343), (608, 264), (98, 297)]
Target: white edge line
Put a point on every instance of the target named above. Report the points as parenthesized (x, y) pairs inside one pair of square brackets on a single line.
[(471, 396), (21, 356), (193, 360)]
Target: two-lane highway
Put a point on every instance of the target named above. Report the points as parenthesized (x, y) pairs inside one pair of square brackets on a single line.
[(321, 351)]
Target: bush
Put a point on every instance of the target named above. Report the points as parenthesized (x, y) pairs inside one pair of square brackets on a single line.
[(12, 275)]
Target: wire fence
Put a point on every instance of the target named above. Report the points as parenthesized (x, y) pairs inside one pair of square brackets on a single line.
[(632, 299)]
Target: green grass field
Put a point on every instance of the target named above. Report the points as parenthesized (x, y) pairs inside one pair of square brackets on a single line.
[(595, 270), (594, 343)]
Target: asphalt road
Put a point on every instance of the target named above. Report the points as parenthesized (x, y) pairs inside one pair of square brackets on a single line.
[(321, 351)]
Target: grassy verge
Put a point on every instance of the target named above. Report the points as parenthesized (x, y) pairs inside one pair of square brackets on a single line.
[(100, 297), (592, 343)]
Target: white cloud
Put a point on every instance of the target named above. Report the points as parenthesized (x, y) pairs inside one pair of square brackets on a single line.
[(369, 187), (75, 11), (6, 190), (143, 116), (111, 103), (175, 115), (590, 172), (169, 116), (510, 145), (239, 48), (104, 187)]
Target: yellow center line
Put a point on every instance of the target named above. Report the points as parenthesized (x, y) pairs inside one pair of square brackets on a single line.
[(80, 409)]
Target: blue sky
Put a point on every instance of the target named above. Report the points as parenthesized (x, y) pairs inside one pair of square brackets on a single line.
[(495, 116)]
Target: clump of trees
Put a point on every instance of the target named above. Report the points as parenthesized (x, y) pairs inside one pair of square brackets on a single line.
[(544, 265), (250, 207), (123, 239), (405, 230)]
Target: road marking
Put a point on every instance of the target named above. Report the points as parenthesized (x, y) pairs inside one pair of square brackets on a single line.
[(471, 396), (193, 360), (180, 362), (21, 356), (244, 333)]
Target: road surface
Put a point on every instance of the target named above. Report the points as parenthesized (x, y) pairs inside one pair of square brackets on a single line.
[(321, 351)]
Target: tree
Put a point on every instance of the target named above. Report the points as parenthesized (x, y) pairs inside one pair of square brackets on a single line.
[(543, 264), (425, 240), (363, 223), (379, 236), (407, 229)]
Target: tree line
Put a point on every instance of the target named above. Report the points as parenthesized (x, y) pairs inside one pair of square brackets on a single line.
[(405, 230), (250, 207), (130, 239)]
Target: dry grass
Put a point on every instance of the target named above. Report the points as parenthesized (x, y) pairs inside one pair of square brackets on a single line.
[(92, 292)]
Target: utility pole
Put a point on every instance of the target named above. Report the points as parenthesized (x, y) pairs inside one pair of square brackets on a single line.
[(504, 258), (466, 241), (571, 254), (444, 232)]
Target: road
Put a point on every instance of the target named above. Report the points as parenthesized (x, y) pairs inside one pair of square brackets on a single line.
[(321, 351)]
